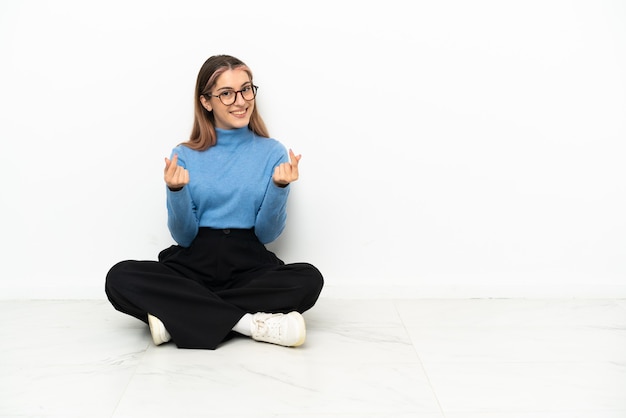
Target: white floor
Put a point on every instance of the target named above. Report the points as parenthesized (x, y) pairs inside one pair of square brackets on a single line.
[(502, 358)]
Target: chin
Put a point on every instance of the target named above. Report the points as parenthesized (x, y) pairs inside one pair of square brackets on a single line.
[(241, 124)]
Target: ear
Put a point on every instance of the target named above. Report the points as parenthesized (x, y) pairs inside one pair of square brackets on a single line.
[(206, 104)]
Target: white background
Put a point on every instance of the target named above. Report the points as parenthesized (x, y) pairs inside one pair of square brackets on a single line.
[(450, 149)]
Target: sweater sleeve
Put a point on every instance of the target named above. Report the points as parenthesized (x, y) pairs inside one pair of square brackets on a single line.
[(182, 219), (272, 215)]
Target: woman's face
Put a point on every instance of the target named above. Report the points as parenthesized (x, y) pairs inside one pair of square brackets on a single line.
[(236, 115)]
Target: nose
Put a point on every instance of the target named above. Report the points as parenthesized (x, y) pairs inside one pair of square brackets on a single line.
[(239, 95)]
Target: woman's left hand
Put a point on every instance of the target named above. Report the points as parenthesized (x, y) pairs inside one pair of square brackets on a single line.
[(286, 173)]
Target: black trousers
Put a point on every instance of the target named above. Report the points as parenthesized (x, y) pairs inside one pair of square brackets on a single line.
[(201, 292)]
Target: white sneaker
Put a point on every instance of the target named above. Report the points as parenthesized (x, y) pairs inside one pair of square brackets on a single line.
[(282, 329), (158, 331)]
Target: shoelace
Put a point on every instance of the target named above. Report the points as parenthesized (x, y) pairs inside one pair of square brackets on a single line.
[(263, 329)]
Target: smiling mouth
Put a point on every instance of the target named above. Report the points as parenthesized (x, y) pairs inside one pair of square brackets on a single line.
[(239, 112)]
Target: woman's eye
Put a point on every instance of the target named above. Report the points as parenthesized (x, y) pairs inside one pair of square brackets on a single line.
[(226, 94)]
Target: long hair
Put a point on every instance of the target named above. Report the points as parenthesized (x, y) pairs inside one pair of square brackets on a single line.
[(203, 134)]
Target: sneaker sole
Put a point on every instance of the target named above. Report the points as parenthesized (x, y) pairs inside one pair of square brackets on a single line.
[(302, 326), (155, 330)]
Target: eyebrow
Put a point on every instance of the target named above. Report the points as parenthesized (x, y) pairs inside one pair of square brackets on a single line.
[(231, 88)]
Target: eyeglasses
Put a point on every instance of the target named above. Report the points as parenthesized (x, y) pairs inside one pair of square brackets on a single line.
[(228, 97)]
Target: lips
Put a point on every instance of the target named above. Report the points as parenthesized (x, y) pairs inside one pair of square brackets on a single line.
[(239, 113)]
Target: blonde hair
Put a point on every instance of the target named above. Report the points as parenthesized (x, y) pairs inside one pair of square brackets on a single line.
[(203, 135)]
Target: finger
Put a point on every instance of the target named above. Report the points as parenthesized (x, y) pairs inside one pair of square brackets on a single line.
[(288, 173), (279, 172), (170, 169), (293, 173), (183, 176), (279, 175), (292, 168), (178, 178), (293, 158), (179, 175)]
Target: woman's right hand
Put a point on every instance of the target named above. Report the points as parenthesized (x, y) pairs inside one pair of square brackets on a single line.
[(176, 177)]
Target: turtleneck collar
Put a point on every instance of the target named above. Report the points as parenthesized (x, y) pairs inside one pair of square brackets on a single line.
[(232, 137)]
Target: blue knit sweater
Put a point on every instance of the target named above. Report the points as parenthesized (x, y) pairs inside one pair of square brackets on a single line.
[(230, 186)]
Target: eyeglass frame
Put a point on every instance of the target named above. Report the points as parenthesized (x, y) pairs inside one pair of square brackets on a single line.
[(254, 90)]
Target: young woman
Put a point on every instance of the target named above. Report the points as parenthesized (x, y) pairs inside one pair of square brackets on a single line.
[(227, 191)]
